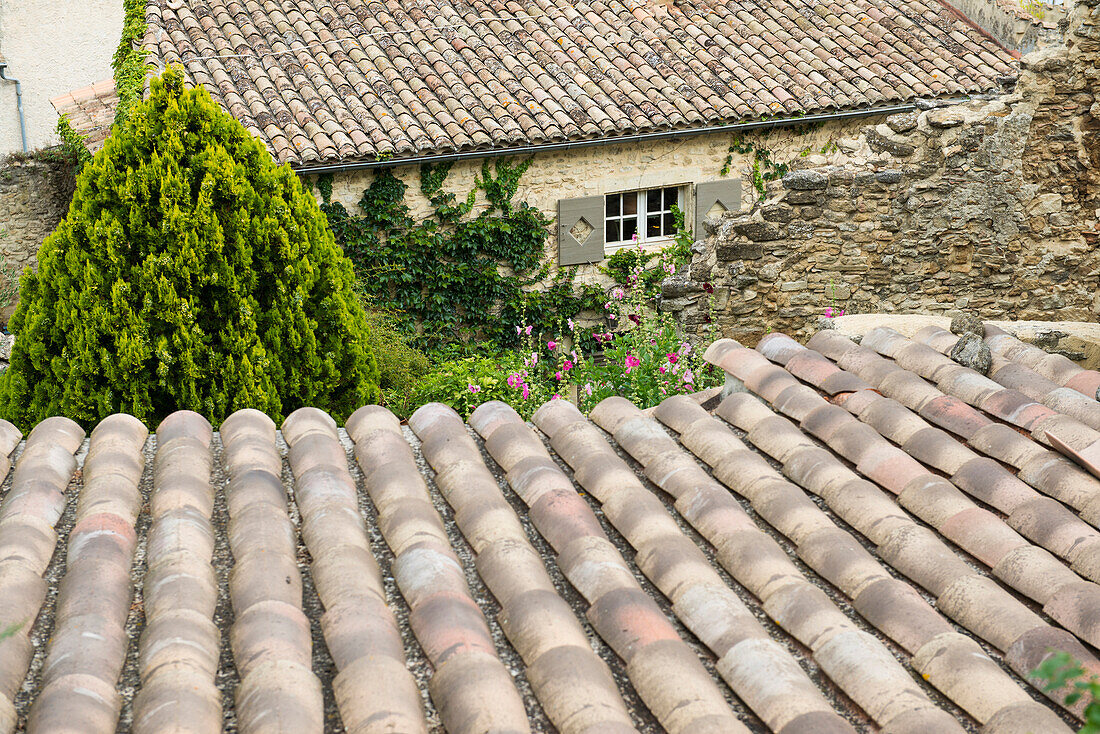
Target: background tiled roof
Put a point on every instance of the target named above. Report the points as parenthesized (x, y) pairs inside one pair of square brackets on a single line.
[(327, 80), (859, 536), (90, 111)]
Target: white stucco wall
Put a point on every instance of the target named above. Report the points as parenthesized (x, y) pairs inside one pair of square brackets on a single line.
[(52, 47)]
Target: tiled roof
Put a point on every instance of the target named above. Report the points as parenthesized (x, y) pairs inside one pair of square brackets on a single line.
[(90, 111), (321, 80), (858, 536)]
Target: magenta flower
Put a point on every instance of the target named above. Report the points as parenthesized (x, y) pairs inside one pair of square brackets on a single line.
[(661, 370), (631, 362), (527, 331), (567, 365), (514, 380), (551, 345), (618, 294), (635, 318), (526, 391), (557, 376), (474, 388), (673, 357), (689, 377), (571, 325)]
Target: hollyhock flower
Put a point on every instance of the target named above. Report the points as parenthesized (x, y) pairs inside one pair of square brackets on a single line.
[(571, 325), (474, 388), (828, 312), (534, 357), (618, 294), (519, 330), (689, 377), (708, 288), (551, 345), (555, 396), (514, 380), (588, 388), (685, 348), (631, 362), (567, 365), (672, 357), (557, 376), (526, 391), (527, 331), (661, 370), (635, 318)]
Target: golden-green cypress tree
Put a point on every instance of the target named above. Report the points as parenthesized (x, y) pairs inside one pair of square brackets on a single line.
[(190, 272)]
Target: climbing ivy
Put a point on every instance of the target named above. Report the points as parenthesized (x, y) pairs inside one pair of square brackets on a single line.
[(73, 144), (128, 62), (457, 276), (764, 166)]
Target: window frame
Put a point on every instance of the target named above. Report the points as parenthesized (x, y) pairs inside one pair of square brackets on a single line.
[(641, 214)]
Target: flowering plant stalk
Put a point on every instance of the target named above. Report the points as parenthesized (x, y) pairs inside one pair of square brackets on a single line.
[(642, 357)]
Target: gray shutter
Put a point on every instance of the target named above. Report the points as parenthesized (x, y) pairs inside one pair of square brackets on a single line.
[(726, 193), (571, 214)]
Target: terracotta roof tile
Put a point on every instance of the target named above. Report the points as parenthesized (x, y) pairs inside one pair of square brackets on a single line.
[(681, 571), (324, 81)]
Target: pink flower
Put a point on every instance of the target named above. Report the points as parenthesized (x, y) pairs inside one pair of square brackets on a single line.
[(527, 331), (588, 388), (635, 318), (519, 330), (618, 294), (631, 362), (474, 388), (514, 380), (555, 396), (534, 357), (688, 377), (661, 370), (571, 325), (673, 357), (685, 348), (828, 312), (526, 391), (557, 376), (551, 345), (567, 365)]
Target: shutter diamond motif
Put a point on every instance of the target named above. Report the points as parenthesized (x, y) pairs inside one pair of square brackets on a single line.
[(713, 198), (580, 230)]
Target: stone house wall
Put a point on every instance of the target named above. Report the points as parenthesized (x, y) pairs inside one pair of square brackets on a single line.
[(52, 47), (990, 206), (34, 197), (607, 169)]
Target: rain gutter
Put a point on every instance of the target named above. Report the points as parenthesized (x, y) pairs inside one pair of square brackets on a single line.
[(570, 145)]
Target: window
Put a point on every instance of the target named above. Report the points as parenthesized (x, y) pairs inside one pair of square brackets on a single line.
[(646, 213)]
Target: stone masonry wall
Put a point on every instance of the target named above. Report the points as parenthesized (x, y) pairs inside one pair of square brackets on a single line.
[(34, 197), (990, 206)]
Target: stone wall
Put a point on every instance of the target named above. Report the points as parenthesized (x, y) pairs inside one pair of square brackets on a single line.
[(990, 206), (607, 169), (34, 197)]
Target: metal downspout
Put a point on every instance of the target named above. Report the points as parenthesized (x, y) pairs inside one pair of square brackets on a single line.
[(18, 103)]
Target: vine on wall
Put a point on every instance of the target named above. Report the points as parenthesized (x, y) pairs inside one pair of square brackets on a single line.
[(458, 276), (128, 62)]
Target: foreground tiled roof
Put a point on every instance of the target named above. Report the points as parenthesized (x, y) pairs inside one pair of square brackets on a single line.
[(859, 537), (324, 81), (90, 111)]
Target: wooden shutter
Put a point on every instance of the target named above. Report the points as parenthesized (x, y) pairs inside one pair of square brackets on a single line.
[(726, 193), (578, 215)]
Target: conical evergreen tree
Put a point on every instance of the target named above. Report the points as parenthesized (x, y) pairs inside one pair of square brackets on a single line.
[(190, 272)]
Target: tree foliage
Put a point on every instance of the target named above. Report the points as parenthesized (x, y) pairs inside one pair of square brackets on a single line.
[(190, 272)]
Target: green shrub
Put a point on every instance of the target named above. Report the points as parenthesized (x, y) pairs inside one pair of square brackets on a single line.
[(190, 272), (401, 365), (1063, 674), (468, 382)]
